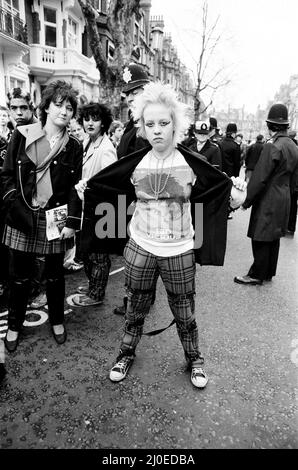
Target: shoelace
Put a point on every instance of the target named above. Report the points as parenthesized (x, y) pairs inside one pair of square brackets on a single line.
[(198, 371), (122, 363)]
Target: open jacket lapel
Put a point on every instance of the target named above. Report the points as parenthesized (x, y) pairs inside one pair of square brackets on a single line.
[(212, 189)]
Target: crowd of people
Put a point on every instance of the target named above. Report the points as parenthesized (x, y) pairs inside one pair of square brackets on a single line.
[(160, 167)]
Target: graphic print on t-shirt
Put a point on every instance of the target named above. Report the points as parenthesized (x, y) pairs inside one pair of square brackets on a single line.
[(163, 189)]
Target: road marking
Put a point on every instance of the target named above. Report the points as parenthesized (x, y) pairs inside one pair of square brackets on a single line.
[(3, 314), (69, 300), (43, 318)]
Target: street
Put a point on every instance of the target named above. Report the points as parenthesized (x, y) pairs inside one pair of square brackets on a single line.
[(60, 397)]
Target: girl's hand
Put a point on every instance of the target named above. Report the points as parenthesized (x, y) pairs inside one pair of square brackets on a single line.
[(67, 232), (238, 197), (239, 183), (81, 187)]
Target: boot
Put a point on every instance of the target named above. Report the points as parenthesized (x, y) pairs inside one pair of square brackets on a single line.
[(55, 290), (17, 303), (121, 310)]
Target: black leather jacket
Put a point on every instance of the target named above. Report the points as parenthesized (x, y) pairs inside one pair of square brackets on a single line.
[(18, 180)]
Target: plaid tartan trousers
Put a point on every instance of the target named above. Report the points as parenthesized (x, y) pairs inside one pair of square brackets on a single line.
[(178, 276)]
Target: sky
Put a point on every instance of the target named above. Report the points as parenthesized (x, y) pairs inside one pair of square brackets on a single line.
[(257, 50)]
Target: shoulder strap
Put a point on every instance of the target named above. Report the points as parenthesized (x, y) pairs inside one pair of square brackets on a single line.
[(156, 332)]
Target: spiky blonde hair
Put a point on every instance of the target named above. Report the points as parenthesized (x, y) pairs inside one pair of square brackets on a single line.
[(160, 93)]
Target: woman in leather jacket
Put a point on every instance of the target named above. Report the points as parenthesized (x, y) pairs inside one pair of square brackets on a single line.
[(42, 165)]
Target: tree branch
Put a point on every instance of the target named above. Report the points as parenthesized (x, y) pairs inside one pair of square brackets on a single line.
[(91, 15), (119, 19)]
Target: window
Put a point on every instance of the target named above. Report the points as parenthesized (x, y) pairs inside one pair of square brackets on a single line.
[(96, 4), (50, 27), (136, 34), (110, 51), (12, 6), (142, 24), (100, 5), (15, 83), (72, 33), (10, 17)]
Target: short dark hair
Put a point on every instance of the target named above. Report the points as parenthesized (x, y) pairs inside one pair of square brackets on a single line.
[(98, 111), (19, 93), (277, 127), (57, 91)]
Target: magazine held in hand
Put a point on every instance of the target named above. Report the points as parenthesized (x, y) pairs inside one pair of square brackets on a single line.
[(56, 220)]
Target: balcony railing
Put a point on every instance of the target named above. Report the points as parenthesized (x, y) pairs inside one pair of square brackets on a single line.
[(12, 26), (45, 57)]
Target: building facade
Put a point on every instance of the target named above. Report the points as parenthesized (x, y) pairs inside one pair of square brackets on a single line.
[(167, 66), (14, 47), (249, 124), (288, 95), (45, 40)]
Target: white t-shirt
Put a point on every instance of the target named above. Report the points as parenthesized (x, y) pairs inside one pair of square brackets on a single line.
[(161, 223)]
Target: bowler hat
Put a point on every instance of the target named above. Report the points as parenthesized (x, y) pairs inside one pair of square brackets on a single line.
[(134, 76), (201, 127), (231, 128)]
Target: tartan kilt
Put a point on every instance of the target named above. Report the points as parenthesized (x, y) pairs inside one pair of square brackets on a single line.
[(36, 241)]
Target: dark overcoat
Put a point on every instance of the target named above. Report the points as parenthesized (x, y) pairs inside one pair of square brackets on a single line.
[(268, 190), (130, 142), (252, 155), (212, 188), (19, 182), (211, 151), (231, 156)]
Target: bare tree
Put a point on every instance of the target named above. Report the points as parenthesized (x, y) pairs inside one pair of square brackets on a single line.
[(119, 19), (206, 81)]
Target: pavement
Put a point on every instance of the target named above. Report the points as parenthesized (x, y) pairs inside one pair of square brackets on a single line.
[(60, 397)]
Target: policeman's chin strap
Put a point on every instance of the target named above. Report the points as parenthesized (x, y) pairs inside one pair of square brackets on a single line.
[(160, 330)]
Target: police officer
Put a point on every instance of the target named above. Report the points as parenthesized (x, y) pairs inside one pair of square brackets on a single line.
[(268, 193), (252, 156), (214, 135), (205, 146), (231, 153), (135, 77), (294, 195)]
